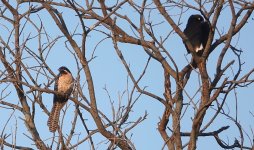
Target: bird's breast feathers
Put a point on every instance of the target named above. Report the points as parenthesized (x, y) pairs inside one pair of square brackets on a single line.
[(65, 82)]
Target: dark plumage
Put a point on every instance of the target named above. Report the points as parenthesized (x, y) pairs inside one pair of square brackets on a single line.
[(64, 85), (197, 31)]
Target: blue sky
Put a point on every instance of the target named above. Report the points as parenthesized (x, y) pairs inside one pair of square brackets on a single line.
[(108, 72)]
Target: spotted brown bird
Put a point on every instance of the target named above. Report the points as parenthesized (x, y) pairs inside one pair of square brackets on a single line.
[(64, 86), (197, 31)]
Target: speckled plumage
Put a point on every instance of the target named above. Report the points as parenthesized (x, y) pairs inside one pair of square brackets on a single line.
[(63, 85)]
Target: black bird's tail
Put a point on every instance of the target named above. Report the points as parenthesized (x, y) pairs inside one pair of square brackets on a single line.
[(193, 63)]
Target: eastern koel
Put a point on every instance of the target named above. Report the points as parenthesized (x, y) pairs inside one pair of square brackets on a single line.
[(64, 86)]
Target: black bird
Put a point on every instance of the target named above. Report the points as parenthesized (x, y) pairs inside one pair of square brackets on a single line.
[(64, 86), (197, 31)]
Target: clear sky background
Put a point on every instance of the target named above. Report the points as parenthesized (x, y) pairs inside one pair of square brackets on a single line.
[(108, 72)]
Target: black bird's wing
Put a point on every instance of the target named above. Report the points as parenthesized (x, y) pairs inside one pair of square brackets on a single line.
[(205, 30), (194, 34)]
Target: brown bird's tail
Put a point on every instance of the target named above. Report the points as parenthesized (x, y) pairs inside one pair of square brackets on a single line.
[(54, 116)]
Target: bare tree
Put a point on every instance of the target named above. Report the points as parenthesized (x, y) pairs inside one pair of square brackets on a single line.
[(35, 34)]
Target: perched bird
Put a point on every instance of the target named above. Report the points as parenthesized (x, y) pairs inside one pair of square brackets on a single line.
[(197, 31), (64, 86)]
